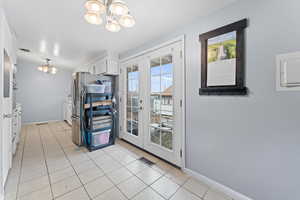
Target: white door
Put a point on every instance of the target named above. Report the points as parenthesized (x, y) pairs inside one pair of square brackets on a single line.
[(7, 115), (131, 85), (160, 127)]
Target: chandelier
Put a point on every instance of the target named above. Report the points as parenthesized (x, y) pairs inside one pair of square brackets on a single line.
[(114, 12), (47, 68)]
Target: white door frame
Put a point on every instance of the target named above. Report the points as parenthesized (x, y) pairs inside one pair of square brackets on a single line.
[(1, 103), (8, 43), (167, 43)]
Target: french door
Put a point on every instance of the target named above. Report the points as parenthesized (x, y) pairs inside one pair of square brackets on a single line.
[(152, 91), (132, 103)]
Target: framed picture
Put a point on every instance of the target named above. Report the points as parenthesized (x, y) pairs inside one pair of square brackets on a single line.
[(223, 60)]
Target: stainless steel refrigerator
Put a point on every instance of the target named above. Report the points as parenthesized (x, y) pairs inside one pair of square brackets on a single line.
[(80, 80)]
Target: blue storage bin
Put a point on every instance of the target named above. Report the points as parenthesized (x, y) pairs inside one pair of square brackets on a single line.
[(100, 112), (104, 107)]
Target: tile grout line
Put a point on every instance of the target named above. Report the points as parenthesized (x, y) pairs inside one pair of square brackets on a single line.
[(123, 165), (45, 160), (116, 185), (21, 166), (71, 166), (26, 194), (43, 144), (105, 174), (147, 186)]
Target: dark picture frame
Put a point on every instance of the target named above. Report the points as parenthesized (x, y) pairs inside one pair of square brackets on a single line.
[(236, 86)]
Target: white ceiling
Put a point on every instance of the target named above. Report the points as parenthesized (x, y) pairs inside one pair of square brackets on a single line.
[(56, 28)]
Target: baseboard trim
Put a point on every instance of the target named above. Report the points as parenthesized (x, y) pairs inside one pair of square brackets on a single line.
[(31, 123), (215, 185)]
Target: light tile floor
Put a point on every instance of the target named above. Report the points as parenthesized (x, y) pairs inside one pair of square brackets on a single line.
[(49, 166)]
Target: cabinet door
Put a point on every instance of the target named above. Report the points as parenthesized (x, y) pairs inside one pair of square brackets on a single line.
[(91, 69), (101, 67), (112, 68)]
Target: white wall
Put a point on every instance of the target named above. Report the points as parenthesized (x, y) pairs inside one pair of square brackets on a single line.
[(41, 95), (250, 144)]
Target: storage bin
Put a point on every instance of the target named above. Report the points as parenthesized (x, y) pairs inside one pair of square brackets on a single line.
[(95, 88), (100, 118), (108, 86), (100, 138), (104, 107), (102, 125), (99, 112)]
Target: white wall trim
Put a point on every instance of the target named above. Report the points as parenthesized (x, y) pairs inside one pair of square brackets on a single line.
[(1, 197), (30, 123), (177, 39), (218, 186), (183, 136)]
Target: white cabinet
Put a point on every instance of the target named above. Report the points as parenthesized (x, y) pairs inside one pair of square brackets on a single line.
[(107, 66)]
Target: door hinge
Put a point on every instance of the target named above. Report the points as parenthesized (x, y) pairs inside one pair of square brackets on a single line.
[(120, 128), (120, 71), (180, 103), (180, 153), (181, 54), (120, 99)]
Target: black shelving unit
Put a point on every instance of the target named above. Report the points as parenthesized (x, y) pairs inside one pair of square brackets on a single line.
[(99, 105)]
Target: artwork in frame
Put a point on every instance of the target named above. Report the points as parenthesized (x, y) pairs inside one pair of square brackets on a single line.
[(222, 60)]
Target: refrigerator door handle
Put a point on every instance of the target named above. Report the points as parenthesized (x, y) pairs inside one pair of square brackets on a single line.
[(74, 117), (74, 93)]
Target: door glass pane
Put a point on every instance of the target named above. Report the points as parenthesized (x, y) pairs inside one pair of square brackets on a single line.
[(155, 135), (135, 120), (128, 118), (161, 100), (167, 100), (166, 139), (135, 101), (132, 100), (155, 119)]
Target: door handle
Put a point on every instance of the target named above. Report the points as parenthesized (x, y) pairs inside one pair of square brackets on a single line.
[(75, 117), (7, 116)]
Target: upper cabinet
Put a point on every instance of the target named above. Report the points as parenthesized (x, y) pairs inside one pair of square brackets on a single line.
[(107, 66)]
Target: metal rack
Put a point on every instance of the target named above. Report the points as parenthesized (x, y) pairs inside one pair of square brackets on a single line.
[(99, 106)]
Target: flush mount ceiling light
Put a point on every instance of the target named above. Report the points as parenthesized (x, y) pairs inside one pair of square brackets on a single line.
[(47, 68), (115, 12)]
